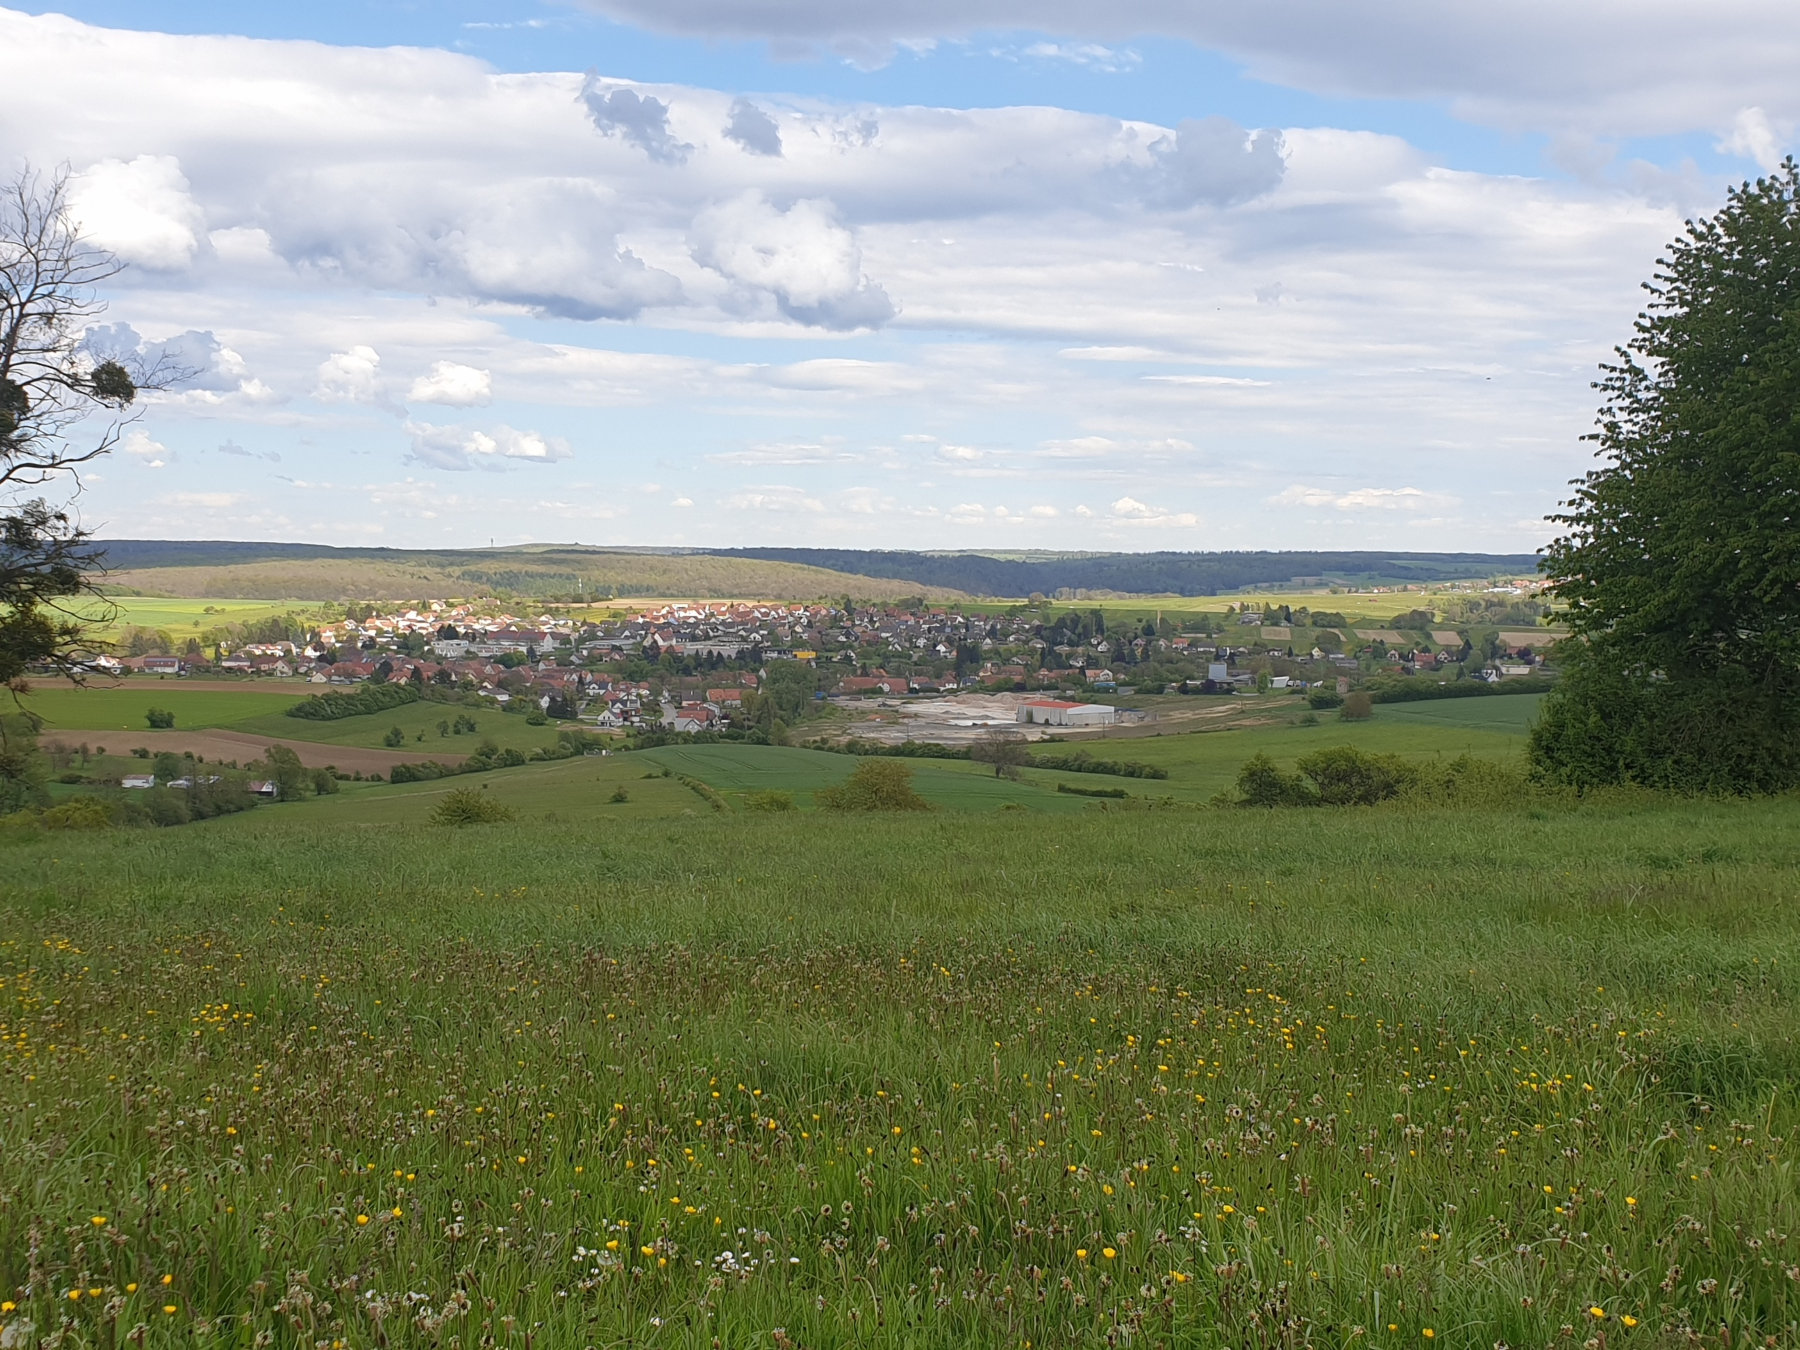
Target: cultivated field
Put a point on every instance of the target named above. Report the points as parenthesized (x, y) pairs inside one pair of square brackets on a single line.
[(1389, 1077)]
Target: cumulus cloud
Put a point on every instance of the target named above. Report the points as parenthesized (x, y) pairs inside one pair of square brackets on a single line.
[(192, 366), (1213, 161), (1131, 511), (753, 129), (1362, 499), (634, 117), (462, 447), (454, 385), (350, 377), (1754, 137), (807, 262), (140, 210), (1540, 64), (138, 443), (780, 500)]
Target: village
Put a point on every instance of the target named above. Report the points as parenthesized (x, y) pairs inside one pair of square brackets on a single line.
[(688, 667)]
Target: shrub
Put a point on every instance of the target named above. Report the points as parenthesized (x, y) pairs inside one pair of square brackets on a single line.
[(769, 800), (877, 785), (394, 738), (1358, 707), (619, 794), (1323, 698), (469, 806), (78, 813), (1091, 791), (160, 719), (1346, 776), (370, 698), (1260, 783)]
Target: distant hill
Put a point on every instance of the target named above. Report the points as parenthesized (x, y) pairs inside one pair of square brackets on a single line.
[(1143, 573), (230, 569)]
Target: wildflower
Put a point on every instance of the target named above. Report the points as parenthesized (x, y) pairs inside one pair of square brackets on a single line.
[(1597, 1313), (99, 1220), (1108, 1253), (1628, 1319), (1428, 1333), (396, 1211), (362, 1218), (1081, 1253), (168, 1279), (131, 1288), (8, 1306), (169, 1308)]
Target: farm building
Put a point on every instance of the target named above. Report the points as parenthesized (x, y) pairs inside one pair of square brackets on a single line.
[(1056, 713)]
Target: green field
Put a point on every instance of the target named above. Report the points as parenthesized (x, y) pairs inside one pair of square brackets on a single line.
[(98, 708), (181, 618), (1173, 1078)]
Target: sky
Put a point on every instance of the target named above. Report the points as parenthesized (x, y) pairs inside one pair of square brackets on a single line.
[(1141, 274)]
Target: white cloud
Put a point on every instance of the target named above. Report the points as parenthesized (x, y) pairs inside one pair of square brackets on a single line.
[(137, 442), (1754, 137), (454, 385), (1131, 511), (208, 501), (779, 500), (350, 377), (1363, 499), (1108, 60), (1045, 512), (682, 502), (463, 447), (802, 258), (1651, 67), (140, 210)]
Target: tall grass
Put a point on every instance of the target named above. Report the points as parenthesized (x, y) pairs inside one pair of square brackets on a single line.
[(1258, 1078)]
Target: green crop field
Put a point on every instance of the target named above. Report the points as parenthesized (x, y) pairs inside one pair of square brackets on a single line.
[(101, 708), (649, 1073), (181, 618)]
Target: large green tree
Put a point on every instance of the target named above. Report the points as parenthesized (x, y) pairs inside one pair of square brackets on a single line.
[(1680, 561)]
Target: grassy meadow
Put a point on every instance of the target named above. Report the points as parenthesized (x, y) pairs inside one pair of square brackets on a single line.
[(652, 1073)]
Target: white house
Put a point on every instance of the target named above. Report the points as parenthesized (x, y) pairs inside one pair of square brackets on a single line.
[(1056, 713), (138, 780)]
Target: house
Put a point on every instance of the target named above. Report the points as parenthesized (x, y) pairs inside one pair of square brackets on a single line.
[(1099, 679), (1058, 713), (694, 717), (162, 665), (138, 780), (263, 787)]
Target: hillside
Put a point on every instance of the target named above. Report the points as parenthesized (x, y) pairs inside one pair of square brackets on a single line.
[(1016, 573), (311, 572)]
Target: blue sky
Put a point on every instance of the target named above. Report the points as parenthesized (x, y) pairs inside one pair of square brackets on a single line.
[(1163, 274)]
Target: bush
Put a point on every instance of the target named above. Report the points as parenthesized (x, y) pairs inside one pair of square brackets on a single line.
[(160, 719), (878, 784), (1358, 707), (78, 813), (1260, 783), (394, 738), (1346, 776), (469, 806), (1091, 791), (619, 794), (1082, 762), (769, 800), (1323, 698), (370, 698)]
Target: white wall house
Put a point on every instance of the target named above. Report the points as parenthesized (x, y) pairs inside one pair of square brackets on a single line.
[(1056, 713)]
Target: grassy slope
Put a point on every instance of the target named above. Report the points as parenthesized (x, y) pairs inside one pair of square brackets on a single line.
[(1214, 1044), (124, 708), (445, 575)]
